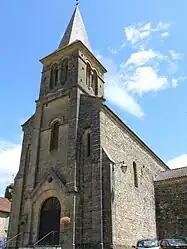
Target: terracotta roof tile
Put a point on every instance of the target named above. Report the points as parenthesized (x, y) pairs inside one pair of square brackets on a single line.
[(170, 174), (5, 205)]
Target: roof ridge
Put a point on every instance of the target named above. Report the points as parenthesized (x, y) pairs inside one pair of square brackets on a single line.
[(178, 168)]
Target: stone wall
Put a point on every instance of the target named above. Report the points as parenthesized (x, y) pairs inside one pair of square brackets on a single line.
[(56, 110), (3, 217), (19, 184), (171, 207), (71, 54), (133, 208), (61, 103), (83, 59), (89, 174)]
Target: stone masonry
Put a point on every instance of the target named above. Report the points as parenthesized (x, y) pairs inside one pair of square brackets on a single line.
[(171, 201), (107, 205), (132, 208)]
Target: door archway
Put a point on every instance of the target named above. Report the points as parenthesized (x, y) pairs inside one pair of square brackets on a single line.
[(50, 222)]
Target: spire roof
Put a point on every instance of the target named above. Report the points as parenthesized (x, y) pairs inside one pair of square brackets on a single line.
[(75, 31)]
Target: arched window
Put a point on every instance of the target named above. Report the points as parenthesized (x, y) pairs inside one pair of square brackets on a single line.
[(135, 175), (64, 71), (54, 77), (54, 136), (88, 75), (95, 82), (86, 142)]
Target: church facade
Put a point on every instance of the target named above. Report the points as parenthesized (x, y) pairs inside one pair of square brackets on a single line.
[(85, 179)]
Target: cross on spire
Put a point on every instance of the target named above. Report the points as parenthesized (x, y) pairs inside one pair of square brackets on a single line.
[(77, 2)]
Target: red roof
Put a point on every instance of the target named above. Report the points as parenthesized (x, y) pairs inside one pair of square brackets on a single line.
[(5, 205)]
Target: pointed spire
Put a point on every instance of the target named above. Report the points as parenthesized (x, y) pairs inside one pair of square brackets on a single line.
[(75, 31)]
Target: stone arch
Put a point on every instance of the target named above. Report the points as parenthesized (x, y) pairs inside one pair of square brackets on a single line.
[(53, 121), (49, 221), (54, 76), (88, 74), (64, 58), (64, 70), (95, 82), (37, 201), (54, 135)]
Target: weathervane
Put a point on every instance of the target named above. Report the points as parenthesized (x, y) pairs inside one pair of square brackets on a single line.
[(77, 2)]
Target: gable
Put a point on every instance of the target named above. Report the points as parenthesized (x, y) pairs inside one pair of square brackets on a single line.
[(128, 133), (49, 182)]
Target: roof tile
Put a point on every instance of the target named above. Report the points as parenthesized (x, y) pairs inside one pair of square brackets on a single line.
[(5, 205), (171, 174)]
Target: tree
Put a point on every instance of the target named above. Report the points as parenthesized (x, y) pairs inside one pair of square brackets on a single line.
[(9, 191)]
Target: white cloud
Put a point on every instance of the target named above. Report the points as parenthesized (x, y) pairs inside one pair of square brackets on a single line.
[(161, 26), (144, 27), (140, 32), (118, 96), (146, 70), (175, 56), (178, 162), (115, 91), (146, 79), (9, 161), (123, 45), (175, 83), (135, 35), (141, 58), (112, 50), (165, 34)]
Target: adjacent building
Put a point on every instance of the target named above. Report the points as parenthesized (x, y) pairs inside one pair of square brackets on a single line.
[(171, 203), (5, 206)]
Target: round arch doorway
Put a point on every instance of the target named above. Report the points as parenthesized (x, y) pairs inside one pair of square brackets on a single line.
[(49, 226)]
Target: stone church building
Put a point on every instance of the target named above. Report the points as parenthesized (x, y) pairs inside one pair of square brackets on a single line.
[(85, 179)]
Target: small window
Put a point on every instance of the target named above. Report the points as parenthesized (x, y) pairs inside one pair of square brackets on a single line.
[(54, 136), (66, 71), (88, 74), (135, 175), (95, 82), (88, 145), (54, 77)]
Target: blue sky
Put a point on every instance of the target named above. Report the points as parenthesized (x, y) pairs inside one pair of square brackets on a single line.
[(141, 43)]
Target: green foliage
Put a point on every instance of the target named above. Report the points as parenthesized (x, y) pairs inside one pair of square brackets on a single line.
[(9, 191)]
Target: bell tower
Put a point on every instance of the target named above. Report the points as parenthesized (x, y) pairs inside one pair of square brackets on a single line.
[(53, 176), (73, 63)]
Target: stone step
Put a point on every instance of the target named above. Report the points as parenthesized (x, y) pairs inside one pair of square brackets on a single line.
[(41, 247)]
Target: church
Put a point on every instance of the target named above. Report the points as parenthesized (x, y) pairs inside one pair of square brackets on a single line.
[(85, 179)]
